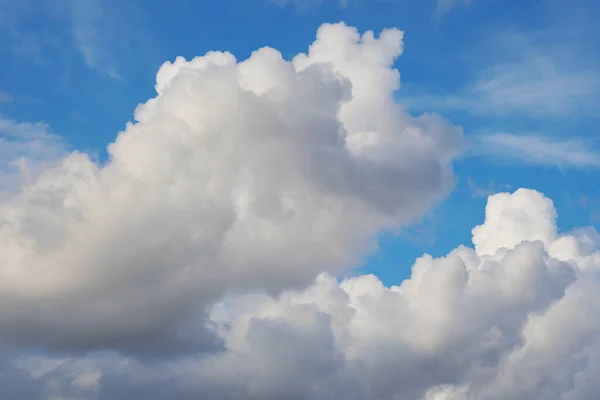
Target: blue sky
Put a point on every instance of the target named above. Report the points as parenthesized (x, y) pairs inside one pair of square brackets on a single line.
[(519, 77)]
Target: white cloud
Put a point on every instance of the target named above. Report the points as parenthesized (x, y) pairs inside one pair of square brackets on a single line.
[(93, 35), (538, 150), (25, 149), (237, 176), (534, 86), (515, 317), (512, 219)]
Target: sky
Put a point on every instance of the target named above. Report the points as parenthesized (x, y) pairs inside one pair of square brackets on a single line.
[(303, 199)]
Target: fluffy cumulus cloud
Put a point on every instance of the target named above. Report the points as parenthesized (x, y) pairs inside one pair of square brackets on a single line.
[(254, 175), (516, 316), (200, 261)]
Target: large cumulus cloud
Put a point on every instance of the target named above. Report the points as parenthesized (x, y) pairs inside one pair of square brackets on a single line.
[(515, 317), (200, 260), (237, 176)]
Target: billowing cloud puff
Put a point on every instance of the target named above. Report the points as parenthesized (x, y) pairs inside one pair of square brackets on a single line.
[(520, 320), (236, 177), (513, 218)]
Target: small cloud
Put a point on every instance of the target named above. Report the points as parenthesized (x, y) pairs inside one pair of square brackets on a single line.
[(423, 232), (304, 5), (90, 34), (25, 148), (477, 191), (538, 150), (443, 7), (106, 37)]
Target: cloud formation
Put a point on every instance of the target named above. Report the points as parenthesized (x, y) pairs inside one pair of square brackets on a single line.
[(107, 36), (237, 176), (92, 33), (25, 149), (443, 7), (534, 74), (514, 317), (201, 259), (303, 5), (538, 150)]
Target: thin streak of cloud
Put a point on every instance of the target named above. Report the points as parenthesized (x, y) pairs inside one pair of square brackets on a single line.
[(538, 150), (90, 36), (443, 7), (305, 5), (108, 36), (479, 191), (539, 75), (534, 87)]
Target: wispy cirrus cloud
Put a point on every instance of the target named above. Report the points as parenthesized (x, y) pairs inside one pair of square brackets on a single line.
[(25, 148), (538, 74), (535, 86), (106, 34), (21, 40), (304, 5), (481, 191), (93, 34), (443, 7), (538, 150)]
